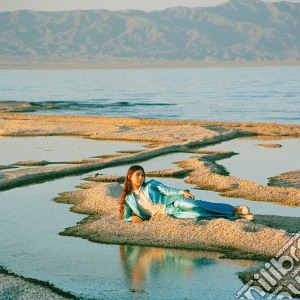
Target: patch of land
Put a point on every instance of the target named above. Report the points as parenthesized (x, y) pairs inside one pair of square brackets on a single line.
[(270, 145), (9, 63), (13, 286), (287, 179), (100, 200)]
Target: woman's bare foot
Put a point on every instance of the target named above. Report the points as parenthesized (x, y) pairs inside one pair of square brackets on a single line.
[(242, 210), (249, 217)]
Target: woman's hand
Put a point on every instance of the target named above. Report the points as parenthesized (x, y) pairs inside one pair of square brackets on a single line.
[(137, 219), (186, 194)]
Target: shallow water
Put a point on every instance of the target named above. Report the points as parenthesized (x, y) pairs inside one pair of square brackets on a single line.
[(257, 163), (57, 148), (30, 246)]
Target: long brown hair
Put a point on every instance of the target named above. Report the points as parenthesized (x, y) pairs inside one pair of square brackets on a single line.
[(127, 188)]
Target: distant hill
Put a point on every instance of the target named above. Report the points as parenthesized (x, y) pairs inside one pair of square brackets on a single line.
[(237, 30)]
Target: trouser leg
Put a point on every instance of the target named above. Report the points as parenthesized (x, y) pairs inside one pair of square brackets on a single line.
[(186, 208)]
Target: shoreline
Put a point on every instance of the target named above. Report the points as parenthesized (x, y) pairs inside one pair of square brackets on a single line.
[(119, 63), (15, 286)]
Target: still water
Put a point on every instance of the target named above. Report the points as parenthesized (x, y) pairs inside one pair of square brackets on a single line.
[(257, 163), (57, 148)]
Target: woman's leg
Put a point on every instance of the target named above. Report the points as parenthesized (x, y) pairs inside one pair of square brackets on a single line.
[(185, 208)]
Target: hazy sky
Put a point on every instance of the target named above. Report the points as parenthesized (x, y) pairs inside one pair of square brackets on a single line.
[(55, 5)]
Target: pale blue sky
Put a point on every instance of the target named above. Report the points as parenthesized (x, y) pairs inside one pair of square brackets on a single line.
[(56, 5)]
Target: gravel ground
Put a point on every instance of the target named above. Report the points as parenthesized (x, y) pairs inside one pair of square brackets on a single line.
[(16, 288)]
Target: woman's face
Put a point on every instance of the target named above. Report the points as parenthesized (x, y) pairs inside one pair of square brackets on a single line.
[(137, 179)]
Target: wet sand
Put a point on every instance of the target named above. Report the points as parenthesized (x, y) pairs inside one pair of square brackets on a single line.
[(33, 63), (242, 239), (13, 286)]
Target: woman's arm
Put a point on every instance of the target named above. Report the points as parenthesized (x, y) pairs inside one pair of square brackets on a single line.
[(127, 213), (130, 216), (167, 191)]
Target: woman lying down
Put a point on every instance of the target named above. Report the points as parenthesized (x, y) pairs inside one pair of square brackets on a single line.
[(140, 200)]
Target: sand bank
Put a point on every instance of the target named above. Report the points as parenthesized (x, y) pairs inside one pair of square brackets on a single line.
[(101, 201), (162, 131), (13, 286), (33, 63), (287, 179), (206, 174)]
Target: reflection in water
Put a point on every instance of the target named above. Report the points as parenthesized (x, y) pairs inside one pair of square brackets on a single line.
[(142, 263)]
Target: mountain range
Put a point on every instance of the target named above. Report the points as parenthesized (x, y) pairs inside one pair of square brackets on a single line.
[(238, 30)]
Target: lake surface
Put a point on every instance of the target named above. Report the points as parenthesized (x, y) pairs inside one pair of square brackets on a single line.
[(260, 94)]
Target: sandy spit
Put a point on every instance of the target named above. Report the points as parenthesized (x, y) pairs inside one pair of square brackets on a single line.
[(108, 62), (206, 174), (162, 131), (101, 201), (13, 287), (287, 179)]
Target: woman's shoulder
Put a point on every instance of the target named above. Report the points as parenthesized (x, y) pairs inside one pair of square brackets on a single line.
[(129, 196), (151, 181)]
